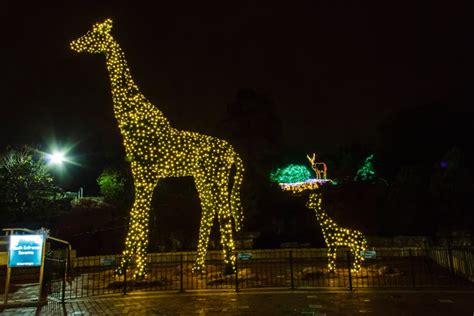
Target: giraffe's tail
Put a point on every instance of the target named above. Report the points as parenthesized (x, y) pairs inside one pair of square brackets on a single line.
[(235, 203)]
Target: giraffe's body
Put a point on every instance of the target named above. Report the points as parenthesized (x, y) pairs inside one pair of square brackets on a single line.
[(335, 236), (157, 150)]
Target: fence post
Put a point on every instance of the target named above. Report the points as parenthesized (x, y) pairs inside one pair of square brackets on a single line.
[(291, 271), (450, 258), (181, 274), (349, 269), (125, 280), (465, 265), (412, 270), (63, 294), (236, 273)]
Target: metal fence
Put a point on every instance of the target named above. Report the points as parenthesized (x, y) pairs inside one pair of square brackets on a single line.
[(293, 269), (56, 270)]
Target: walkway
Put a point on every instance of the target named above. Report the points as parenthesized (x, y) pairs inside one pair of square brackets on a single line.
[(264, 302)]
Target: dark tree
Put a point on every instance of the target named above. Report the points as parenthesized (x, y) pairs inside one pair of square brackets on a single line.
[(115, 186), (253, 127), (27, 190)]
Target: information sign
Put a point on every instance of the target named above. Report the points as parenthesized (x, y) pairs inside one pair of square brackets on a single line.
[(369, 254), (25, 250), (244, 256)]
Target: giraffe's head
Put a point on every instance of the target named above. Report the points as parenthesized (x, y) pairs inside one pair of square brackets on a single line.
[(95, 40)]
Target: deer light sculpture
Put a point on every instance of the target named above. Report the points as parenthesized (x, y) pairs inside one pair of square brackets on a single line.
[(319, 168)]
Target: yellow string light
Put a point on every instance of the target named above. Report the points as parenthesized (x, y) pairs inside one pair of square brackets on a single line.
[(157, 150)]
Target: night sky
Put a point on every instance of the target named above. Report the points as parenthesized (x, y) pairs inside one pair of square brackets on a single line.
[(334, 71)]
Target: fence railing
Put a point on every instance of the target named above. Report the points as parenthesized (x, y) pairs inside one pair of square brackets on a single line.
[(284, 268), (458, 261)]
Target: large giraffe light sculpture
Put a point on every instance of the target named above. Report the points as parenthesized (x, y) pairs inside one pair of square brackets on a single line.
[(157, 150)]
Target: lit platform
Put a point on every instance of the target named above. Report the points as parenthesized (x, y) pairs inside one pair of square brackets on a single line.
[(310, 185)]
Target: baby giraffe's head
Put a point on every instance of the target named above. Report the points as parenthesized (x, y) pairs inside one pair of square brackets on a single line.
[(95, 40)]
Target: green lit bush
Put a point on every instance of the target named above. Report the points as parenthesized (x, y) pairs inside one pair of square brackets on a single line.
[(291, 174)]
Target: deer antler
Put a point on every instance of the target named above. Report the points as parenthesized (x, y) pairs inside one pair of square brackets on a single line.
[(311, 160)]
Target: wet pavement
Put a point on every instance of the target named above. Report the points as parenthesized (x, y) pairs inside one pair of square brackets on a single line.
[(265, 302)]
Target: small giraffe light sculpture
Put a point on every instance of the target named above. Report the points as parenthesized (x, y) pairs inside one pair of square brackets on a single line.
[(319, 168), (157, 150), (336, 236)]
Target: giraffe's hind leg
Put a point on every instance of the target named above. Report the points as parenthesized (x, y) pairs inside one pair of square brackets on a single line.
[(207, 205), (358, 259), (225, 225), (360, 245), (227, 242)]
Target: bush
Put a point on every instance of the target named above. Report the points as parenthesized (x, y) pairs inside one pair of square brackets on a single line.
[(115, 187)]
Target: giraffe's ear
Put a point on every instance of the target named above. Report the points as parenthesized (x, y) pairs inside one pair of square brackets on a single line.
[(104, 27)]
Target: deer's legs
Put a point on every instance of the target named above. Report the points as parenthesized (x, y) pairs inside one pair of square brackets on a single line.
[(207, 205), (318, 173), (135, 254)]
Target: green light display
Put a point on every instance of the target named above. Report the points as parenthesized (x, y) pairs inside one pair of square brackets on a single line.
[(291, 174), (366, 172)]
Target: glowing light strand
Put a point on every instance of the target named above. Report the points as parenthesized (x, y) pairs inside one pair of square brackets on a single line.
[(157, 150), (298, 187), (366, 172)]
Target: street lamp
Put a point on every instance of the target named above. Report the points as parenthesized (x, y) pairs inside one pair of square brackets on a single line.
[(56, 158)]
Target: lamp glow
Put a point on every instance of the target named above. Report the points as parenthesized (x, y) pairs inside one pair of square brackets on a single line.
[(56, 158)]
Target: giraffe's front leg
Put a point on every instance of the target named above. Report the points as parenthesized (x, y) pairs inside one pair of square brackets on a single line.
[(134, 256)]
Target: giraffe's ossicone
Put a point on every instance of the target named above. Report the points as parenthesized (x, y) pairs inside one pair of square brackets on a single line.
[(157, 150)]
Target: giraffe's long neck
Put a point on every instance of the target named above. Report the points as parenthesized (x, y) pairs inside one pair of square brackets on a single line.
[(126, 96), (328, 225), (123, 87)]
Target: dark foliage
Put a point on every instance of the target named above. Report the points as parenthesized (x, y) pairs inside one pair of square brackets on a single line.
[(27, 190)]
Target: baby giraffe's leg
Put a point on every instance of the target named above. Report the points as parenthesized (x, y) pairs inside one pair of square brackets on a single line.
[(359, 245), (332, 254), (357, 260)]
